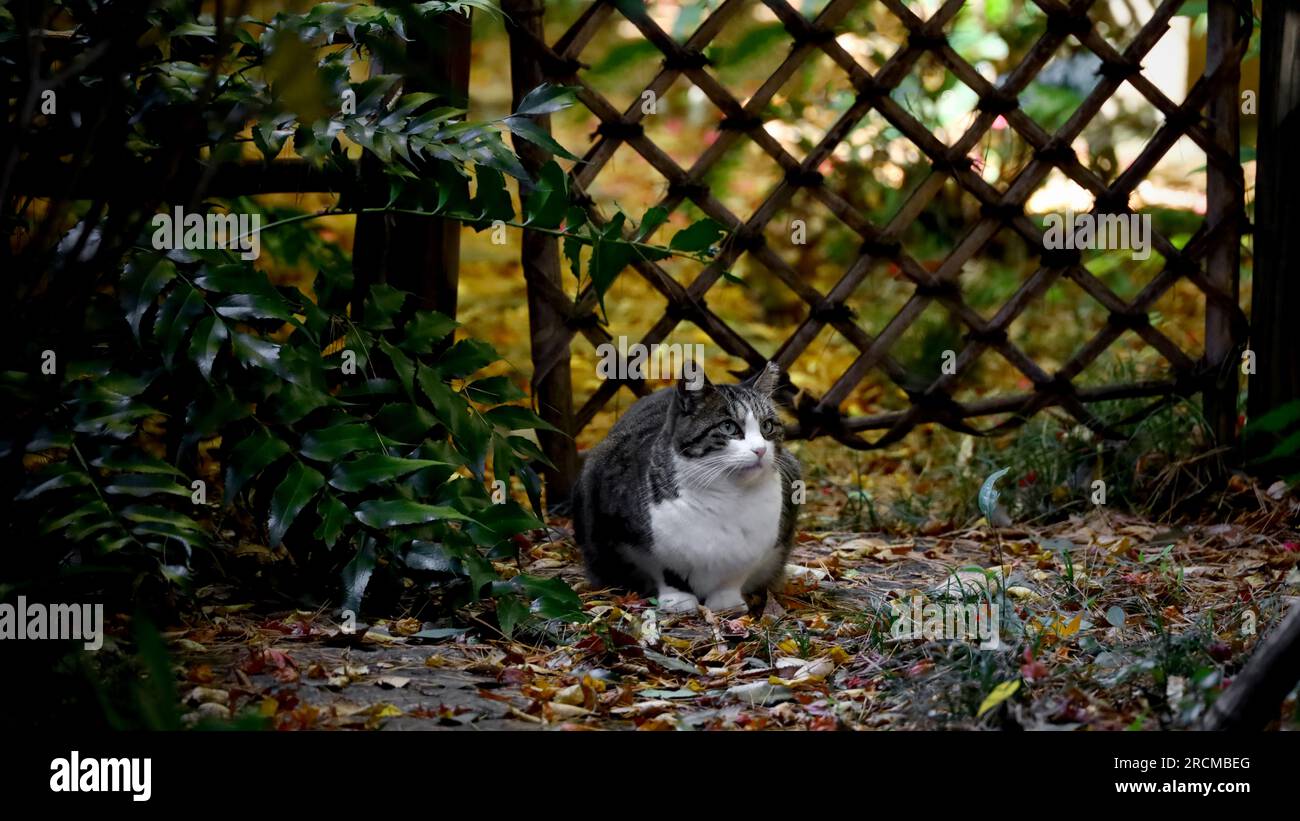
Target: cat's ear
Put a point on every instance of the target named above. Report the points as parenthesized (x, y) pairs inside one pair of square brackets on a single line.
[(766, 380), (691, 388)]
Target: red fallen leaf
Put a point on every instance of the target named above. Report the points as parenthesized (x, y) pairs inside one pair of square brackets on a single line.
[(279, 658), (254, 664), (441, 712), (629, 601), (1032, 670), (259, 660), (1070, 713), (521, 541), (920, 668), (514, 675), (1291, 547), (275, 626), (286, 699), (300, 718), (1220, 651), (824, 723), (200, 674), (286, 675)]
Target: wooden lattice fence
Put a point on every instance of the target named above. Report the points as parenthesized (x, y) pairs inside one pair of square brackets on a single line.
[(1210, 259)]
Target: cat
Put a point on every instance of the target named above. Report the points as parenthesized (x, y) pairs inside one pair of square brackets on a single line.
[(689, 497)]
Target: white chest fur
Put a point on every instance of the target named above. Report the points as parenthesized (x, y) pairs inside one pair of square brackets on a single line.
[(720, 535)]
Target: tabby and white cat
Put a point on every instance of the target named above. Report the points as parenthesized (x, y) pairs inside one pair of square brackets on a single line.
[(689, 496)]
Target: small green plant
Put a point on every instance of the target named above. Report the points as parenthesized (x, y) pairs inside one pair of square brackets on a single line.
[(1282, 426)]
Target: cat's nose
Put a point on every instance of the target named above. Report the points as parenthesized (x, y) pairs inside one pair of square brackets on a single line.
[(759, 451)]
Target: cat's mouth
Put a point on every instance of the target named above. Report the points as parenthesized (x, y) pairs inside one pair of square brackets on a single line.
[(752, 468)]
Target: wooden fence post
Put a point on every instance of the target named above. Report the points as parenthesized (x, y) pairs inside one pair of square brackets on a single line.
[(1223, 201), (1276, 289), (417, 254), (540, 257)]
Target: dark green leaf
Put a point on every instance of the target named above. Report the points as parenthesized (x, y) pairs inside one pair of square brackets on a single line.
[(494, 389), (465, 357), (295, 491), (545, 99), (424, 330), (397, 512), (510, 612), (376, 467), (143, 279), (535, 134), (210, 334), (697, 237), (251, 456), (334, 516), (330, 443), (513, 417)]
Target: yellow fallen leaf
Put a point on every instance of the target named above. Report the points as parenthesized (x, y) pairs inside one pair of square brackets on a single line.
[(999, 694), (406, 627)]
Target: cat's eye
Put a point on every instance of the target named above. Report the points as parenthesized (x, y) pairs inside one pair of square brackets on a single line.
[(768, 428), (729, 428)]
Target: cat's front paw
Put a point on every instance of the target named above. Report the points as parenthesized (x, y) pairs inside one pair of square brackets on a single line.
[(675, 601), (724, 600)]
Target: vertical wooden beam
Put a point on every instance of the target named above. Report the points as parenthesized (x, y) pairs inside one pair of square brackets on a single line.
[(540, 257), (417, 254), (1224, 203), (1275, 299)]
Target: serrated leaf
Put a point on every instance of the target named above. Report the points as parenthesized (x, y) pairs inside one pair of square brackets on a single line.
[(513, 417), (299, 485), (494, 389), (424, 330), (143, 278), (510, 613), (250, 457), (334, 516), (176, 318), (397, 512), (144, 485), (697, 237), (255, 352), (356, 576), (331, 443), (376, 467), (210, 334), (545, 99), (535, 134), (654, 217), (244, 307), (465, 357)]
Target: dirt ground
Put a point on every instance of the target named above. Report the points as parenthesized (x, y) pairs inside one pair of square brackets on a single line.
[(1107, 622)]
